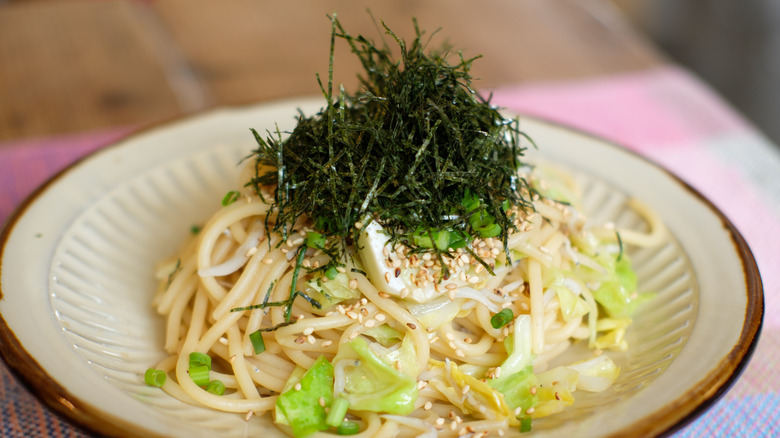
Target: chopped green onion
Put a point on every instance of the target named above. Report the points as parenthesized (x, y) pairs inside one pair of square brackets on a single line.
[(155, 377), (457, 240), (216, 387), (489, 231), (331, 273), (257, 341), (525, 424), (195, 229), (198, 359), (421, 238), (348, 428), (502, 318), (230, 197), (199, 374), (470, 201), (338, 410), (315, 240)]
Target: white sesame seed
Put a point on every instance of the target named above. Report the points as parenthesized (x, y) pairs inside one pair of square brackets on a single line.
[(380, 317), (427, 406), (353, 335), (327, 343), (370, 323), (308, 330), (298, 386), (268, 260)]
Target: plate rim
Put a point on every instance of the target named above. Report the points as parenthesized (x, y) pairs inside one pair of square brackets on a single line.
[(698, 399)]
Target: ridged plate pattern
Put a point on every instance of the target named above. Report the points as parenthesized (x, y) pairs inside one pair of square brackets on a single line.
[(102, 283)]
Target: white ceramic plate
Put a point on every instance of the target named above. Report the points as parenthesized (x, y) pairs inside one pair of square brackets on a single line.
[(76, 275)]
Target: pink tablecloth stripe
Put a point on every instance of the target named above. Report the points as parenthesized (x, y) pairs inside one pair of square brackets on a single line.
[(664, 114)]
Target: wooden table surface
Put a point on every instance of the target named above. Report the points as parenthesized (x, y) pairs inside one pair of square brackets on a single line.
[(75, 66)]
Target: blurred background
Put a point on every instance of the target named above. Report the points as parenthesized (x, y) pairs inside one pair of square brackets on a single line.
[(732, 45)]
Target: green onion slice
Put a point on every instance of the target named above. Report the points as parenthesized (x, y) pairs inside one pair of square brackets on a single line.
[(256, 338), (501, 318), (197, 359), (199, 374), (338, 410), (348, 428), (216, 387), (230, 197), (155, 377), (525, 424), (331, 273), (315, 240)]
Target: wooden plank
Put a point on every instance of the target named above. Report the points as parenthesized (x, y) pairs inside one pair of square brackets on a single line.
[(82, 65), (74, 66), (249, 50)]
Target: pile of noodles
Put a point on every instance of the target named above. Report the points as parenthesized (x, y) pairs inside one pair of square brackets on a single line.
[(212, 292)]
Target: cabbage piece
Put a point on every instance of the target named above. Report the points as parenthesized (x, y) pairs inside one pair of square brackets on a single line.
[(436, 313), (300, 408), (370, 384), (329, 292), (615, 330), (572, 306), (516, 389), (517, 377), (384, 334), (518, 345), (480, 400), (617, 285), (555, 391), (553, 183), (403, 354), (595, 374)]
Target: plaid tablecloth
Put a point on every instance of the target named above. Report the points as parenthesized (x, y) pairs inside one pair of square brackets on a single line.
[(665, 114)]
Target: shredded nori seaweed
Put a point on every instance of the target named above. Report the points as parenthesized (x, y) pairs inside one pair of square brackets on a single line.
[(405, 150)]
